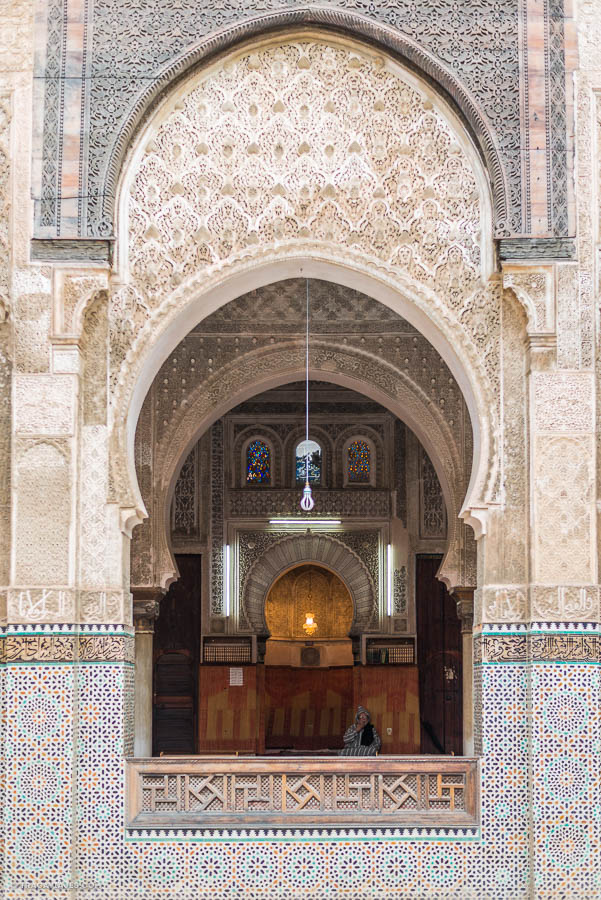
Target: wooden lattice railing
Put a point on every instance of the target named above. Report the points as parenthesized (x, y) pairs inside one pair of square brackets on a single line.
[(172, 792)]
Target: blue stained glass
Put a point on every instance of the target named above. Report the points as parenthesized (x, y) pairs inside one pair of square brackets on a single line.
[(312, 451), (258, 463), (359, 463)]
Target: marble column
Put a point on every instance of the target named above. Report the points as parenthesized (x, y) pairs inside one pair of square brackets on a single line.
[(146, 609), (465, 611)]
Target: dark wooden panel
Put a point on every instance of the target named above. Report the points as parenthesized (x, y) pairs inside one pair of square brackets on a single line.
[(440, 661), (228, 715), (176, 657), (307, 709), (391, 694)]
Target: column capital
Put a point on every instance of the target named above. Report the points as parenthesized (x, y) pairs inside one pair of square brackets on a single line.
[(146, 605), (464, 598)]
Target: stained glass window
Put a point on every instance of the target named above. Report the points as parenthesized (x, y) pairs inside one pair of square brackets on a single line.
[(359, 462), (258, 463), (311, 451)]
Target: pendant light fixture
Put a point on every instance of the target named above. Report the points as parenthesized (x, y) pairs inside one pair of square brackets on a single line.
[(310, 625), (307, 502)]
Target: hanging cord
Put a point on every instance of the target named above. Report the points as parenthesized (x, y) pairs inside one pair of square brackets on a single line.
[(307, 390), (307, 502)]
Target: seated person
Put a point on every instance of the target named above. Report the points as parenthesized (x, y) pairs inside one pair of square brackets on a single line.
[(361, 739)]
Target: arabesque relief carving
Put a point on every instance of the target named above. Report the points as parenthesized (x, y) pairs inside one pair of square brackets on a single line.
[(565, 603), (263, 180), (563, 402), (562, 495), (5, 205), (288, 155), (535, 290)]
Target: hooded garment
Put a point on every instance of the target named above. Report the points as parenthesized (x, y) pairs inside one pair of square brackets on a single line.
[(361, 743)]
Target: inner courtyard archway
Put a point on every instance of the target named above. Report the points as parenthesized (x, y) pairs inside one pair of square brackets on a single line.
[(409, 228), (396, 507)]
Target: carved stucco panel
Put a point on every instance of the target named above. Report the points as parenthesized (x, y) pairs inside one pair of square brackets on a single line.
[(5, 204), (505, 603), (563, 402), (16, 24), (45, 404), (66, 360), (511, 547), (535, 289), (73, 293), (93, 524), (568, 318), (5, 450), (565, 603), (142, 572), (43, 512), (95, 352), (563, 494), (259, 179), (32, 312), (42, 605), (105, 606), (6, 339), (277, 145)]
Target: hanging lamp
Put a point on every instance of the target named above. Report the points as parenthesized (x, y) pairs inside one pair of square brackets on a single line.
[(307, 502)]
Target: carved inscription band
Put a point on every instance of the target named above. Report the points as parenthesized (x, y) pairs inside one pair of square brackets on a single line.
[(67, 648), (500, 648)]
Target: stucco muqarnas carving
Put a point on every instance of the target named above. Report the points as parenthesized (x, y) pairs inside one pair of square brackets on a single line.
[(373, 177)]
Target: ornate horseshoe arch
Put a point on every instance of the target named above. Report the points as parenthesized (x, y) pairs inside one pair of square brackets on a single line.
[(211, 203), (355, 27), (325, 550)]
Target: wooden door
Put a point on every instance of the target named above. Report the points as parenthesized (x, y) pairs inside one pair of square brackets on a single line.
[(176, 658), (440, 661)]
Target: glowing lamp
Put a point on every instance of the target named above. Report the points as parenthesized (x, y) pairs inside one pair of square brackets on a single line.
[(310, 625)]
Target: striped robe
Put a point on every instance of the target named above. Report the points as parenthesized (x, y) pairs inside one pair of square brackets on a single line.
[(354, 747)]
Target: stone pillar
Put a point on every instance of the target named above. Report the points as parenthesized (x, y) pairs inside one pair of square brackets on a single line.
[(465, 611), (564, 627), (146, 609)]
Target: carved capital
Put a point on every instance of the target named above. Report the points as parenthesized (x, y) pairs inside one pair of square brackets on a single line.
[(465, 608), (146, 606)]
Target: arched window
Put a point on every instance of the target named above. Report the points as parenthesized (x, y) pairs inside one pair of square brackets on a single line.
[(358, 462), (258, 463), (308, 452)]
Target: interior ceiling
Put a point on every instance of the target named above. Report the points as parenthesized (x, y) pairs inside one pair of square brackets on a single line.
[(277, 308), (323, 396)]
